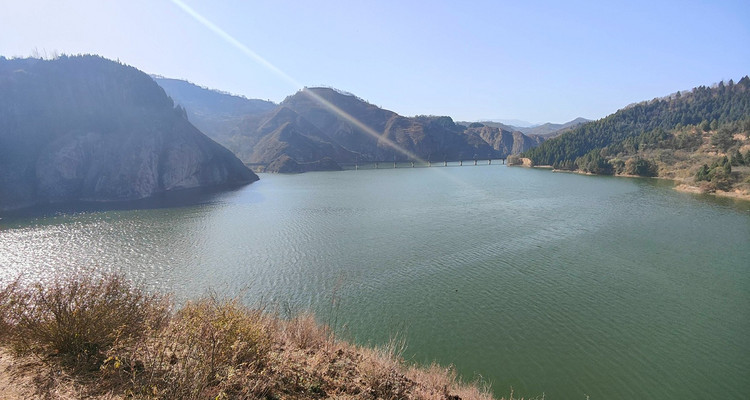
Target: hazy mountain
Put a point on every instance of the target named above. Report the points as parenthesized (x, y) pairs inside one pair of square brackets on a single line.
[(305, 131), (215, 113), (550, 130), (545, 131), (517, 123), (86, 128), (302, 134), (493, 124)]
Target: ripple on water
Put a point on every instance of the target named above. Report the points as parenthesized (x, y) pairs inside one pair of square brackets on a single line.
[(554, 283)]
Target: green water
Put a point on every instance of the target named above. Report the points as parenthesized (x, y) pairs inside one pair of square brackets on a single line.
[(561, 284)]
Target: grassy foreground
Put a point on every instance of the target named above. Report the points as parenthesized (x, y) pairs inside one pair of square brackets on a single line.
[(106, 338)]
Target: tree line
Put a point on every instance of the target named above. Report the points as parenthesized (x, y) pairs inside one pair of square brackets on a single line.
[(724, 109)]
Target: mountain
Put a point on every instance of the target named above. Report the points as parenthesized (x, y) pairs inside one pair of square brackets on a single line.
[(424, 136), (504, 141), (699, 137), (287, 133), (89, 129), (494, 124), (546, 131), (517, 123), (215, 113), (724, 103), (550, 130), (317, 128)]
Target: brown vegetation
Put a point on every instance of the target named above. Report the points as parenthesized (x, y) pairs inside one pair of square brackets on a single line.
[(682, 165), (107, 339)]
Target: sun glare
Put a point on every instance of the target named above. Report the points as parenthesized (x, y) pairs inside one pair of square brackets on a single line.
[(291, 81)]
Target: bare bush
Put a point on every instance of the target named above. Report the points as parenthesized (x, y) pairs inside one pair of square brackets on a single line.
[(80, 318)]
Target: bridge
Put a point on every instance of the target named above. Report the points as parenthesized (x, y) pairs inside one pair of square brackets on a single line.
[(420, 164), (357, 165)]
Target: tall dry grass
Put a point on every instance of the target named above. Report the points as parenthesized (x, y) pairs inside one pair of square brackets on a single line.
[(133, 345)]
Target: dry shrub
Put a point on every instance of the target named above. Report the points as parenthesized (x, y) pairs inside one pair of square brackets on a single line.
[(8, 295), (79, 318), (382, 371), (438, 382), (306, 333), (209, 347)]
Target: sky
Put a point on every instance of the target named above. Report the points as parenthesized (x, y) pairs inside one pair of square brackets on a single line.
[(536, 61)]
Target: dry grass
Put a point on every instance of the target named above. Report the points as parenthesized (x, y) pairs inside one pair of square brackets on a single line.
[(681, 165), (209, 349)]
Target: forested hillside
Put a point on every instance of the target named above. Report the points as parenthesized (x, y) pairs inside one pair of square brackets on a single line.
[(700, 138), (703, 105)]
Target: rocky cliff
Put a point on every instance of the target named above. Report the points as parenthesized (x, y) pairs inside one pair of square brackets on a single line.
[(88, 129)]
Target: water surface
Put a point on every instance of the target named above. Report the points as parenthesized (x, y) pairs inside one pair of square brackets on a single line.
[(561, 284)]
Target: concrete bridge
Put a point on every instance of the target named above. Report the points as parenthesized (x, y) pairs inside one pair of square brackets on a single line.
[(421, 163), (408, 163)]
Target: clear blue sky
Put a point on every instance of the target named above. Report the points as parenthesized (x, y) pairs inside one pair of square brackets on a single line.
[(531, 60)]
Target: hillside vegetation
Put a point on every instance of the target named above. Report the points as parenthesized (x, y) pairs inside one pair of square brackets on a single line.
[(699, 138), (105, 338)]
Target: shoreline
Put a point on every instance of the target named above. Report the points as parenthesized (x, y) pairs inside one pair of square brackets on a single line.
[(679, 185)]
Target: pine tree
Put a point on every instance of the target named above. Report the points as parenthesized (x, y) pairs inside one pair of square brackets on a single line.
[(737, 158)]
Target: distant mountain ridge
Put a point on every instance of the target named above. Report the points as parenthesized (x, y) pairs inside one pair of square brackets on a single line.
[(546, 130), (307, 135), (549, 130), (85, 128), (215, 113)]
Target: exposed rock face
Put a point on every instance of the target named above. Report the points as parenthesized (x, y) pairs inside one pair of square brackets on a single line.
[(505, 142), (85, 128)]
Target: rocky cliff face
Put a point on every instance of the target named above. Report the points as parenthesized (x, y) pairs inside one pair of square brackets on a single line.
[(90, 129), (505, 142)]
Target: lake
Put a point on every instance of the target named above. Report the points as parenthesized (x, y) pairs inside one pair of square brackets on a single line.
[(547, 283)]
